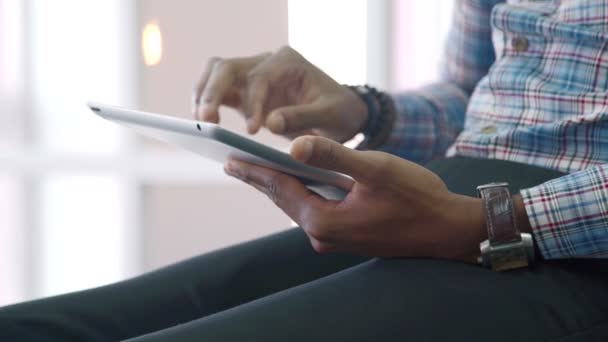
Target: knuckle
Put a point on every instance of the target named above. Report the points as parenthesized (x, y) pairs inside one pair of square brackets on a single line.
[(273, 186), (288, 54), (326, 155), (209, 96), (196, 92), (309, 217), (244, 175), (318, 230), (307, 223), (320, 247), (252, 75), (211, 62), (285, 49), (383, 166), (199, 87), (224, 65), (380, 165), (255, 76)]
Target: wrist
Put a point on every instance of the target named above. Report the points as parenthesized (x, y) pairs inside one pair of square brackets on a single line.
[(358, 111), (507, 247), (467, 228), (523, 221), (521, 217), (381, 112)]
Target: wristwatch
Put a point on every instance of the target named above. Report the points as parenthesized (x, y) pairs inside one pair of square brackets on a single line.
[(506, 248)]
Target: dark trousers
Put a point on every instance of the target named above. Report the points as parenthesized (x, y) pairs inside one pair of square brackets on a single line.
[(277, 289)]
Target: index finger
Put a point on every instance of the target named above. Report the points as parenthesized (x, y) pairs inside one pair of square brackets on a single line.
[(285, 191), (200, 87), (220, 80), (256, 97)]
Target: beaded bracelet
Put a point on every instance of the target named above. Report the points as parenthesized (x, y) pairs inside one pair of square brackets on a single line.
[(381, 115)]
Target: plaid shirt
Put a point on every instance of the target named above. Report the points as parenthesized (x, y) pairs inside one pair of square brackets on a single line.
[(525, 81)]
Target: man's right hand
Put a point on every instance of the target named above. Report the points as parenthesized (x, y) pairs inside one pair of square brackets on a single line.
[(281, 91)]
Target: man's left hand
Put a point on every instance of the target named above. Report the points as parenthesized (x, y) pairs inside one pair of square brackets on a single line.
[(394, 208)]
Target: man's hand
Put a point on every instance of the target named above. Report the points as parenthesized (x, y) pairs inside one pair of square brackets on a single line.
[(395, 207), (282, 91)]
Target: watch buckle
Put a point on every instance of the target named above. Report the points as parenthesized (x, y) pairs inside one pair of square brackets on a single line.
[(507, 256)]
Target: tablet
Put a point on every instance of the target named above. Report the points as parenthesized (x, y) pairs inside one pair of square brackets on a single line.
[(219, 144)]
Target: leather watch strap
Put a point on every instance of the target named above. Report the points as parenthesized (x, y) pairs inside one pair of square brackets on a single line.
[(498, 210)]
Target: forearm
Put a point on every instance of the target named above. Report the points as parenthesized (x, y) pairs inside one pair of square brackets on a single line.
[(415, 125), (469, 219), (428, 120), (473, 222)]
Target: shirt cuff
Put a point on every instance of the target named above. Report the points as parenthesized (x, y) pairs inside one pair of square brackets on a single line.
[(426, 122), (569, 215)]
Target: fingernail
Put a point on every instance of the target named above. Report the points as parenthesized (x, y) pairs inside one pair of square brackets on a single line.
[(231, 168), (251, 125), (306, 150), (206, 114), (276, 123)]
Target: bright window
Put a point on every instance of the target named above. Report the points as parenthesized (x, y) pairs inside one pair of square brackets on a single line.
[(83, 229), (63, 82), (63, 216), (332, 35), (418, 36)]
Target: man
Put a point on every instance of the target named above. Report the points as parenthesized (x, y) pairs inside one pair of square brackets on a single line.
[(532, 110)]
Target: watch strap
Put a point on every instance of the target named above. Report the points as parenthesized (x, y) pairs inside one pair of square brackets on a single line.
[(381, 116), (499, 213)]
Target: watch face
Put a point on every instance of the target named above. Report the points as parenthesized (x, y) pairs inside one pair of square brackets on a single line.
[(508, 257)]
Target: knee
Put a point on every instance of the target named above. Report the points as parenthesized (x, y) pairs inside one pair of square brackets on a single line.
[(12, 329)]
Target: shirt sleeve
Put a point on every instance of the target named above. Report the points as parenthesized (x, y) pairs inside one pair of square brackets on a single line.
[(428, 120), (569, 215)]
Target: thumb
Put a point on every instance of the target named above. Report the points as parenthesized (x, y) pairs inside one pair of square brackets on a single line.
[(292, 119), (328, 154)]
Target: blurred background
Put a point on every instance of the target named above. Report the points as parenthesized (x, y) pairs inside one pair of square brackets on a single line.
[(84, 202)]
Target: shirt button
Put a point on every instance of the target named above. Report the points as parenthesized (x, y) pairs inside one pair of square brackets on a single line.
[(489, 129), (520, 44)]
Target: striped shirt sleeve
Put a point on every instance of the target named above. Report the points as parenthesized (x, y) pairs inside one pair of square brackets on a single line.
[(428, 120), (569, 215)]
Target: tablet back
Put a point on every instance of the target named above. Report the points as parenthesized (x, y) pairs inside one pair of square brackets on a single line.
[(219, 144)]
